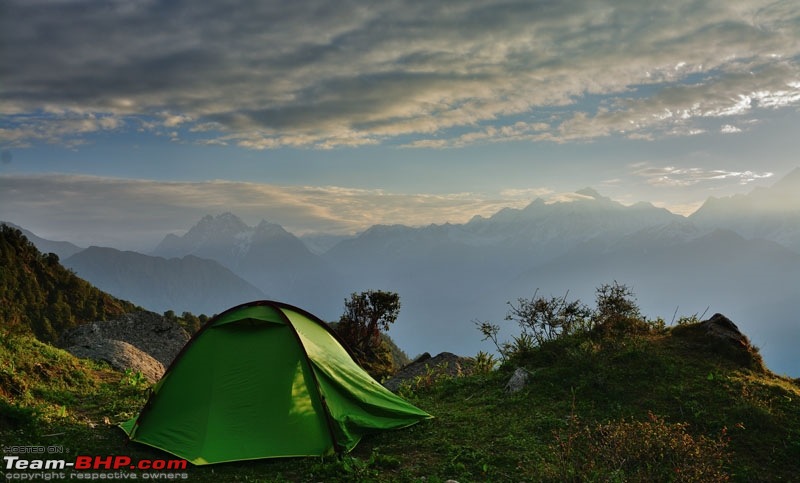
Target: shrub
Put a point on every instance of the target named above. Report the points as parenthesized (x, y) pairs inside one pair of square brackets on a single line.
[(546, 319), (616, 311), (651, 450), (484, 363)]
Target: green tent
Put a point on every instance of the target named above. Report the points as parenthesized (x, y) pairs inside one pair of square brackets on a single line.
[(265, 380)]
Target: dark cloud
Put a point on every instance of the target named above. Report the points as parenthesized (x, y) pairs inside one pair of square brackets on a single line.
[(323, 73)]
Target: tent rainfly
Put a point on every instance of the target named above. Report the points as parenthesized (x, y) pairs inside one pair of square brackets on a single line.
[(265, 380)]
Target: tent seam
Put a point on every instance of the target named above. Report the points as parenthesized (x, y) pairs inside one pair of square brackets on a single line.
[(337, 447)]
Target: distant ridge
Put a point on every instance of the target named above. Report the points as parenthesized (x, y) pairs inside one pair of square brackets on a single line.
[(187, 284), (772, 213), (266, 255), (741, 257), (63, 249)]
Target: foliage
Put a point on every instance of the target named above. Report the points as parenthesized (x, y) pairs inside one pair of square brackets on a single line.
[(429, 378), (616, 310), (366, 316), (18, 416), (379, 362), (630, 450), (134, 378), (490, 332), (39, 296), (399, 356), (484, 363), (351, 468), (190, 322), (545, 319)]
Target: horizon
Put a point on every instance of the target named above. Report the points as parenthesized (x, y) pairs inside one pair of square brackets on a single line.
[(119, 123), (252, 220)]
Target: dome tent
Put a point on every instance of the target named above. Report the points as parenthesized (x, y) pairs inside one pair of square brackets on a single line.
[(265, 380)]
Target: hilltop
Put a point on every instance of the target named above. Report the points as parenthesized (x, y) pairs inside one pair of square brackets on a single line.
[(715, 414), (629, 400)]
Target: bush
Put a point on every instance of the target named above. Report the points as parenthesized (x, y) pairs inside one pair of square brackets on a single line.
[(651, 450), (616, 311), (546, 319), (484, 363)]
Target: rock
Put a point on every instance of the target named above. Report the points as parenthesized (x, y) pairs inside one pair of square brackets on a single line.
[(721, 337), (420, 358), (518, 380), (446, 363), (121, 356), (147, 331), (721, 327)]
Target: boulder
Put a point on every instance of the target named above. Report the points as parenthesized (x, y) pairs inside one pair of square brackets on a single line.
[(722, 328), (720, 336), (121, 356), (147, 331), (518, 380), (443, 364)]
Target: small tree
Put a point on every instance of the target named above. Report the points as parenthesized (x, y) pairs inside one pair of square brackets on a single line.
[(366, 314), (548, 319), (616, 310)]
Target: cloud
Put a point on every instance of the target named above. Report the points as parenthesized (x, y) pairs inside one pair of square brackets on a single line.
[(729, 129), (683, 177), (313, 73), (174, 120), (132, 213), (525, 193), (57, 127)]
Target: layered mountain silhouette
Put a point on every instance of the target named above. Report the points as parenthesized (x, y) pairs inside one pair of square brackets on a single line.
[(186, 284), (772, 213), (738, 255), (267, 256)]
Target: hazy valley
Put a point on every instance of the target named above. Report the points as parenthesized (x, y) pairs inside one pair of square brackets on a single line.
[(739, 256)]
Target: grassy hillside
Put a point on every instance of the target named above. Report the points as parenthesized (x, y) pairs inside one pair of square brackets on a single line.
[(40, 296), (657, 405)]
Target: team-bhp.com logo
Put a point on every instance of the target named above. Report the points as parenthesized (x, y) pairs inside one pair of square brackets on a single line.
[(93, 468)]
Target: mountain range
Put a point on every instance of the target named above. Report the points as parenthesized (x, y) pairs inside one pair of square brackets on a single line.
[(185, 284), (738, 255), (267, 256)]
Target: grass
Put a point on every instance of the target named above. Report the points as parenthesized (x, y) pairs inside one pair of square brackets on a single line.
[(589, 400)]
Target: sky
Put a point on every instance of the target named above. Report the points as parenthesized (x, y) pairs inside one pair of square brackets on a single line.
[(124, 120)]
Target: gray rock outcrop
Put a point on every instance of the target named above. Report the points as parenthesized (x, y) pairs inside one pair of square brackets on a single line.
[(518, 380), (147, 331), (140, 341), (121, 356), (720, 336), (721, 327), (443, 364)]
